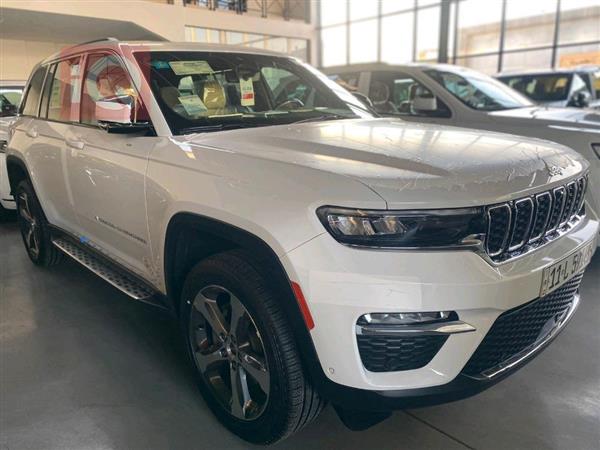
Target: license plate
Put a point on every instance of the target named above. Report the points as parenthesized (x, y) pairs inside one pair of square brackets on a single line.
[(558, 274)]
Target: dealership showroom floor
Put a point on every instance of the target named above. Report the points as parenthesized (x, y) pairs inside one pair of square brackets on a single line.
[(84, 367)]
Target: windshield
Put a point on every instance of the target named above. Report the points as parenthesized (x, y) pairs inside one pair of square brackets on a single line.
[(10, 97), (479, 91), (541, 88), (211, 91)]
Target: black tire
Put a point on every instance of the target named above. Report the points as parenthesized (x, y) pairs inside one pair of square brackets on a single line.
[(291, 403), (34, 228)]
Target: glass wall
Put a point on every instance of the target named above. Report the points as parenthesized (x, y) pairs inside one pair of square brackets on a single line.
[(392, 31), (506, 35), (487, 35), (289, 46)]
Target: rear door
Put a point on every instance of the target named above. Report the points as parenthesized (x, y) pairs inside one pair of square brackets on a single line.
[(43, 139), (107, 170)]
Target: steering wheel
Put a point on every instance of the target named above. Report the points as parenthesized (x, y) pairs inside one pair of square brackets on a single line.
[(288, 103)]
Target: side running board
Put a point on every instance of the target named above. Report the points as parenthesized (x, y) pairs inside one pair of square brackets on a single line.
[(118, 278)]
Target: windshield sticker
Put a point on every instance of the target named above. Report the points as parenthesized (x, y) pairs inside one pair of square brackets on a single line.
[(247, 91), (160, 64), (192, 105), (190, 67)]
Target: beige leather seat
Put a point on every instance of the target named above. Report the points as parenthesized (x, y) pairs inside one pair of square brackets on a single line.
[(213, 96)]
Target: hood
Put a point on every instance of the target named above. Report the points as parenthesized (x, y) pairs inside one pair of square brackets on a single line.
[(409, 164), (584, 118)]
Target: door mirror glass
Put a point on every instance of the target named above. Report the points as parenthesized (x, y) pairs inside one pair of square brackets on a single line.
[(115, 110), (423, 100)]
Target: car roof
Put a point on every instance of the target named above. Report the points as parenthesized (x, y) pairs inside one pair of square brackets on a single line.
[(157, 46)]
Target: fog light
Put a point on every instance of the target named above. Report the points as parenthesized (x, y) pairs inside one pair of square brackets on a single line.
[(405, 318)]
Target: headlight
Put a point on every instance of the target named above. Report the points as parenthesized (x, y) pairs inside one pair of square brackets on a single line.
[(596, 148), (404, 229)]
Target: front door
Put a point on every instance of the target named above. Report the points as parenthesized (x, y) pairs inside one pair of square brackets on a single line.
[(107, 171)]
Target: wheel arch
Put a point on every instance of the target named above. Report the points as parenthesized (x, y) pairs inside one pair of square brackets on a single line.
[(191, 237), (17, 172)]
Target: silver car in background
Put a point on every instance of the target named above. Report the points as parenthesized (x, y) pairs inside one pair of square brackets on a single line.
[(10, 98)]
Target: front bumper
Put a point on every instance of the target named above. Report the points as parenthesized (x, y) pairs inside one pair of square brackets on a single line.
[(342, 283)]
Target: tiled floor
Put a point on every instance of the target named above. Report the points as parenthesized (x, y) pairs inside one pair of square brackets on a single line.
[(84, 367)]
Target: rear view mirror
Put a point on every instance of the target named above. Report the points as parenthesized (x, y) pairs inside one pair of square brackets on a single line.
[(424, 100)]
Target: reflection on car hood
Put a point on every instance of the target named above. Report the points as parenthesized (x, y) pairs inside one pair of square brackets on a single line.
[(587, 118), (409, 164)]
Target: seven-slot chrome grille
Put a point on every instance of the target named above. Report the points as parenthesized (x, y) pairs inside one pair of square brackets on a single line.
[(518, 226)]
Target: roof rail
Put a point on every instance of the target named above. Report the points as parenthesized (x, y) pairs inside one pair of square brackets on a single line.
[(112, 39)]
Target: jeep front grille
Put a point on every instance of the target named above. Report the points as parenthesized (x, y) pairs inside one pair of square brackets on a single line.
[(518, 226)]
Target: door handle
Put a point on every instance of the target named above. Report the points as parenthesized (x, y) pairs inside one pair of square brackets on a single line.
[(32, 133), (78, 145)]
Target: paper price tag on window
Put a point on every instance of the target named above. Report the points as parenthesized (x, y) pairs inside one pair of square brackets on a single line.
[(247, 92), (190, 67), (192, 104)]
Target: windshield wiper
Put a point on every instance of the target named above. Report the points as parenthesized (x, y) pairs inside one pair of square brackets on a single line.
[(324, 117), (217, 127)]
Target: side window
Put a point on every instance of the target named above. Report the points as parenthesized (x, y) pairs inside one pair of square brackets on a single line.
[(47, 90), (400, 94), (63, 102), (107, 80), (32, 97)]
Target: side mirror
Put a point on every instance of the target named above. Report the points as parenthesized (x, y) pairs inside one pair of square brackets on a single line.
[(580, 99), (114, 110), (424, 101), (363, 99), (114, 115)]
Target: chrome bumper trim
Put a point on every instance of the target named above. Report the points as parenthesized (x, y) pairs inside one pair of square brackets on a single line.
[(440, 328)]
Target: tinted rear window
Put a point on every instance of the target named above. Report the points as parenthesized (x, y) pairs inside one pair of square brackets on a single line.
[(32, 99)]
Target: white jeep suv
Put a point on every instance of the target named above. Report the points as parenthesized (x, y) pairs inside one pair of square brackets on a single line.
[(310, 251)]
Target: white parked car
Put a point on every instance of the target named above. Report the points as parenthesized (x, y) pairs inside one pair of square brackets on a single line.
[(309, 251), (577, 87), (454, 95), (10, 97)]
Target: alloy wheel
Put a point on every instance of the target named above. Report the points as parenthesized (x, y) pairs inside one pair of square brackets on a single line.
[(29, 225), (229, 352)]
